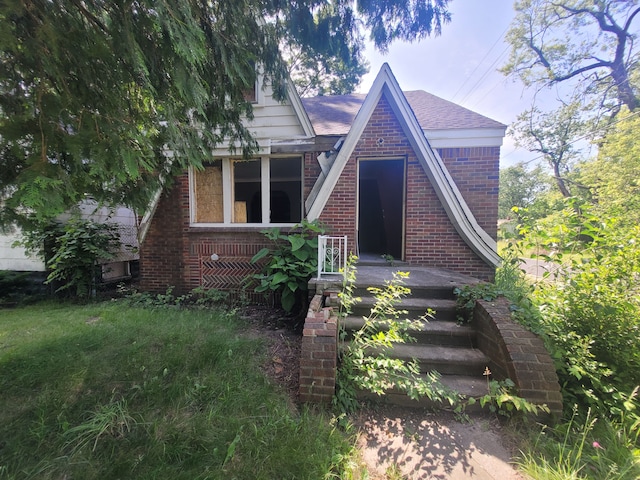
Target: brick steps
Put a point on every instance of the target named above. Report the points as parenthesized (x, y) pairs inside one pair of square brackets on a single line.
[(441, 344), (514, 352)]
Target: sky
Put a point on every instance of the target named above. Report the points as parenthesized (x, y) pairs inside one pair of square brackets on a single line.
[(462, 65)]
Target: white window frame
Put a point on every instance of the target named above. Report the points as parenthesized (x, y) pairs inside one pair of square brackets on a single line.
[(227, 195), (258, 91)]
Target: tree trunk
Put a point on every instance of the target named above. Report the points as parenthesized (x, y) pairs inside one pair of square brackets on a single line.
[(562, 186)]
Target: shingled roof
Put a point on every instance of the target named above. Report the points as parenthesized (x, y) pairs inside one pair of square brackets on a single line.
[(334, 114)]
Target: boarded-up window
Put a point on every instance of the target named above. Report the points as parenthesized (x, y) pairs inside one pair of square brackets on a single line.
[(260, 191), (208, 194)]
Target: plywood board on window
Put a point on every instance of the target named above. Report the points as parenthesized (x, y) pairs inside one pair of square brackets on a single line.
[(240, 212), (208, 193)]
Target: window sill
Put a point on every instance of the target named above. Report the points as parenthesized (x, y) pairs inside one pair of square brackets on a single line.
[(238, 227)]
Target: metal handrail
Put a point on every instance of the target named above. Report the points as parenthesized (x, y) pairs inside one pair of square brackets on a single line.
[(332, 255)]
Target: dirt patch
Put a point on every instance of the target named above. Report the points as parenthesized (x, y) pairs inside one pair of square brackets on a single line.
[(283, 335)]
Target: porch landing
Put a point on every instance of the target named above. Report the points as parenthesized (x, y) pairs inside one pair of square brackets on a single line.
[(420, 278)]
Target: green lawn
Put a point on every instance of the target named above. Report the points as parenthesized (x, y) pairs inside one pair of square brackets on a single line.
[(109, 391)]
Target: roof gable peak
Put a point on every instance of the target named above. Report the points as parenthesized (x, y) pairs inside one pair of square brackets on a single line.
[(454, 204)]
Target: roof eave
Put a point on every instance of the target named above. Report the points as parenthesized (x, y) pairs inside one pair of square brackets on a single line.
[(458, 211), (465, 137)]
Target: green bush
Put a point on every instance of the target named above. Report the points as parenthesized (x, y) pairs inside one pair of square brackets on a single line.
[(12, 283), (592, 317), (72, 252), (589, 313), (292, 261)]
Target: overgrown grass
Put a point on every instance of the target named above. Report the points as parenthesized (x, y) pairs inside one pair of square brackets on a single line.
[(584, 447), (587, 445), (110, 391)]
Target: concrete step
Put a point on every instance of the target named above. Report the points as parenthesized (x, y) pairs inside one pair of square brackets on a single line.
[(467, 386), (417, 291), (445, 360), (433, 332), (424, 282), (445, 309)]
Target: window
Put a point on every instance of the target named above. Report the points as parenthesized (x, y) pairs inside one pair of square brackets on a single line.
[(260, 191), (251, 94)]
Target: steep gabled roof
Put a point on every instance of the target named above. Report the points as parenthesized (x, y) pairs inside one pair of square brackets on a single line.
[(334, 114), (454, 204)]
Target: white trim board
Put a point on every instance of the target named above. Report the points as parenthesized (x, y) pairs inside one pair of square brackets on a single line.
[(454, 204)]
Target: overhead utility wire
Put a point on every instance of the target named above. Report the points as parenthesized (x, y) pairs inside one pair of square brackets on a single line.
[(479, 64), (583, 137), (484, 75)]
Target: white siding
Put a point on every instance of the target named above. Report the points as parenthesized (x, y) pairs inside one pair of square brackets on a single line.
[(273, 119), (16, 258)]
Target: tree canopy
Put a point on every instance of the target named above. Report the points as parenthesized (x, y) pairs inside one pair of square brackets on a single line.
[(614, 176), (522, 187), (589, 42), (112, 98), (553, 136)]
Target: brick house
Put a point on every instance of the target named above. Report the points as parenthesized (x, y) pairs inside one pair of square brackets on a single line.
[(405, 174)]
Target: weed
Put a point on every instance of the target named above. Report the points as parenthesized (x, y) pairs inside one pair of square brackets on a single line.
[(110, 420), (584, 448), (502, 399), (389, 259), (291, 263), (364, 361), (467, 296)]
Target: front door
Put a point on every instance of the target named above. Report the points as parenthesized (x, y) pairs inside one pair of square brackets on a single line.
[(381, 207)]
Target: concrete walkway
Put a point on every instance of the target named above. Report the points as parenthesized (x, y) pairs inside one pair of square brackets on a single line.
[(421, 445), (537, 268)]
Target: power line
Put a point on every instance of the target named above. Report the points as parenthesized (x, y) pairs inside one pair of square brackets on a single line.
[(583, 137), (479, 64), (489, 70)]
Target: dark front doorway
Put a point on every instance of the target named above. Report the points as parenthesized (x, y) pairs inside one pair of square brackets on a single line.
[(381, 207)]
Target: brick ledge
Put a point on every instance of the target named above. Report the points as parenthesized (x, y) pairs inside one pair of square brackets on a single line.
[(518, 354)]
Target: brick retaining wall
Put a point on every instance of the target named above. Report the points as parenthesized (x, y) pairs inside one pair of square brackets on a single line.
[(518, 354), (319, 356)]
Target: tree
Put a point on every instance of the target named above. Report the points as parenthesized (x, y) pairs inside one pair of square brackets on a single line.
[(554, 136), (523, 188), (614, 176), (589, 42), (315, 75), (112, 99)]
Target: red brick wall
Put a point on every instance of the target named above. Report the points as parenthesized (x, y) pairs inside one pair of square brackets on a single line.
[(431, 239), (161, 253), (175, 254), (476, 173)]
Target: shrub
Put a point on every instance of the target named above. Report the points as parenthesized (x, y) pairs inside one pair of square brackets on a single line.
[(72, 252), (292, 261), (592, 317), (589, 314)]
